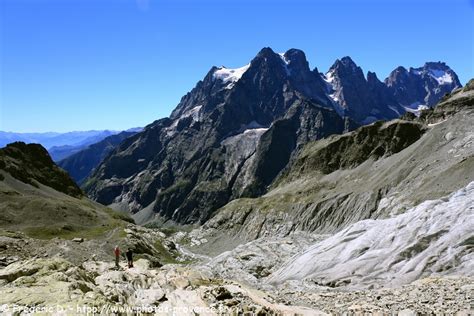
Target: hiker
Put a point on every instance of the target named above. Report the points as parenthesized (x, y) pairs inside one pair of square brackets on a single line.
[(129, 255), (117, 256)]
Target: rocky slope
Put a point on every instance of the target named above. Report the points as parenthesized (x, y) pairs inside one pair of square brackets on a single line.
[(57, 286), (43, 213), (39, 200), (234, 133), (368, 173), (80, 164)]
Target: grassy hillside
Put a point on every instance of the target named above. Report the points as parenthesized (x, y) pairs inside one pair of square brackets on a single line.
[(41, 200)]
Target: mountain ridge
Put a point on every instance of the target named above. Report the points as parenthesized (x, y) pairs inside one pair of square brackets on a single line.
[(180, 167)]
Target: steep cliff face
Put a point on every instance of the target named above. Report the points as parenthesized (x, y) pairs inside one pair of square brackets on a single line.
[(302, 123), (350, 150), (234, 133)]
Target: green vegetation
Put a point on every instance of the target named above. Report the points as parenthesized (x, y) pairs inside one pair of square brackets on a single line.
[(122, 216), (469, 86), (167, 230), (165, 256), (10, 234), (69, 231), (352, 149), (63, 232)]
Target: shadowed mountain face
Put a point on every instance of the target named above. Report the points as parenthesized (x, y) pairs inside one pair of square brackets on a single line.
[(422, 86), (60, 152), (81, 164), (364, 100), (235, 132)]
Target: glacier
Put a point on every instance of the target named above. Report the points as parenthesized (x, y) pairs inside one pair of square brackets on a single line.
[(434, 238)]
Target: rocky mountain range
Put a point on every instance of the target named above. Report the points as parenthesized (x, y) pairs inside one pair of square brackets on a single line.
[(61, 145), (235, 132), (53, 139)]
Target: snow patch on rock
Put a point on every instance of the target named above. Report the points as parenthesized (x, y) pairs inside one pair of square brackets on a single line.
[(441, 76), (286, 62), (230, 76), (333, 92), (194, 113), (416, 108), (394, 109), (247, 134)]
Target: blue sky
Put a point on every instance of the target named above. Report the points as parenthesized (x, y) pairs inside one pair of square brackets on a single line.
[(115, 64)]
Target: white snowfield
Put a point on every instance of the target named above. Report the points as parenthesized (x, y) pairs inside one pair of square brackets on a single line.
[(436, 237), (230, 76), (441, 76), (416, 108)]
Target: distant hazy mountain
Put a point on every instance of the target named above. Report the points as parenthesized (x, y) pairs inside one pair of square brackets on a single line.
[(59, 153), (49, 140), (60, 145), (239, 128), (84, 160)]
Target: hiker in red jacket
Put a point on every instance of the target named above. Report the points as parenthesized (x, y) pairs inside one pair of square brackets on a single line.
[(117, 256)]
